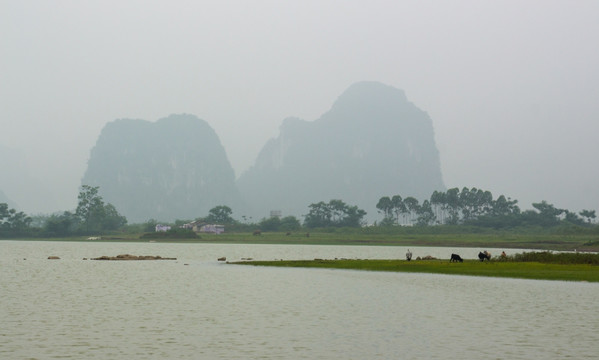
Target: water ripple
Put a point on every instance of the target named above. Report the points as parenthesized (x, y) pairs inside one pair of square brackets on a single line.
[(77, 309)]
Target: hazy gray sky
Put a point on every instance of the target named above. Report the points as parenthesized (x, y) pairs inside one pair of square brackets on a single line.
[(512, 87)]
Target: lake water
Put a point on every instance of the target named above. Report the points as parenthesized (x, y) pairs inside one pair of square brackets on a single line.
[(199, 308)]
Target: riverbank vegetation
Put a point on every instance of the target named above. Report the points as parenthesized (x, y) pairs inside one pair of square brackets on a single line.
[(540, 266), (558, 242), (457, 218)]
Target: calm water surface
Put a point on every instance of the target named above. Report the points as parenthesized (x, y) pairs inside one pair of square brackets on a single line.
[(198, 308)]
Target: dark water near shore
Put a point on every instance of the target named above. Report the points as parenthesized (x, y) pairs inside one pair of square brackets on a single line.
[(198, 308)]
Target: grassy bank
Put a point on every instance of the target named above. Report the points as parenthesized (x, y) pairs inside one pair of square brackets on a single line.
[(509, 269)]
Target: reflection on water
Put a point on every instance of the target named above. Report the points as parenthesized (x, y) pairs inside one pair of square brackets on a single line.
[(198, 308)]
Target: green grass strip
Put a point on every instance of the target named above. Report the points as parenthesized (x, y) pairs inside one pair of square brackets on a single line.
[(521, 270)]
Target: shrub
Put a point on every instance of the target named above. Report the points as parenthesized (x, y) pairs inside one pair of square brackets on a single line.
[(558, 258)]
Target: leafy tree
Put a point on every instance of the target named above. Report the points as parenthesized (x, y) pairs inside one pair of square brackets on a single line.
[(39, 220), (452, 205), (90, 208), (438, 205), (426, 216), (386, 207), (469, 205), (112, 220), (474, 203), (573, 218), (270, 224), (589, 215), (318, 216), (353, 216), (61, 224), (289, 223), (547, 213), (476, 207), (548, 210), (399, 207), (13, 221), (503, 206), (93, 214), (338, 211), (4, 212), (387, 222), (335, 213), (220, 215), (412, 206)]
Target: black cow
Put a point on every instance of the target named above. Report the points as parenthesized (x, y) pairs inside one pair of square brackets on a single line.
[(455, 258), (484, 255)]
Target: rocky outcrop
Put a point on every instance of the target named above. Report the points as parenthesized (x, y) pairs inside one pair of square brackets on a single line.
[(175, 168), (372, 143)]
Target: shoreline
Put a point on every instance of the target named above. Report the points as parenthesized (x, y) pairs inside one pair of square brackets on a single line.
[(573, 243), (504, 269)]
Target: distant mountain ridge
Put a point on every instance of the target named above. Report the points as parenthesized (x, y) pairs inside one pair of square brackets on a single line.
[(175, 168), (372, 142)]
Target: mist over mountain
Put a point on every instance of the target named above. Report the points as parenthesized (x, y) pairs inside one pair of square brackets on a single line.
[(4, 199), (373, 142), (174, 168), (18, 188)]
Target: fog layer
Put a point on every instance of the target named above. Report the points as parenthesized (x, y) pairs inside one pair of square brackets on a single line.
[(511, 86)]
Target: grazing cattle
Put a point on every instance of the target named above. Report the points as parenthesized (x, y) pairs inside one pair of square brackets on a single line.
[(484, 255), (257, 232), (455, 258)]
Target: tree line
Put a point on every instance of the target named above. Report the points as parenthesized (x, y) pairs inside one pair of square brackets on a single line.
[(92, 216), (474, 207)]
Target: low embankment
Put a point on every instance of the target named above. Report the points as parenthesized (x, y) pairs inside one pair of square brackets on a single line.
[(371, 236)]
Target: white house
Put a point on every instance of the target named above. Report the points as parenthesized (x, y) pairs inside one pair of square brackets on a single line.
[(213, 229), (163, 228)]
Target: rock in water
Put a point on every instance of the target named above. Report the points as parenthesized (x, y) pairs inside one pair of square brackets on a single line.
[(132, 257)]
